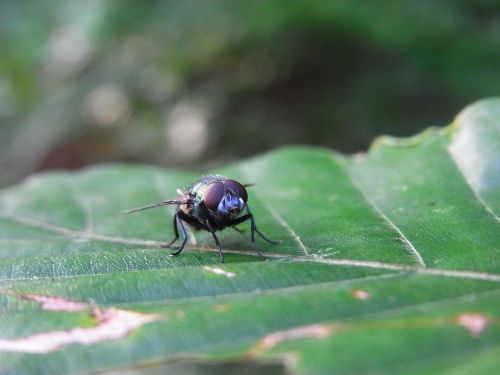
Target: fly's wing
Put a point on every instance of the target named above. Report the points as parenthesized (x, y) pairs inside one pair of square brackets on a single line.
[(181, 200)]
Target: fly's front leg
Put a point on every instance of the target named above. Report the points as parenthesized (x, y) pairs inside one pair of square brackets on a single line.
[(217, 243), (244, 218), (180, 224), (176, 232), (253, 228), (258, 231)]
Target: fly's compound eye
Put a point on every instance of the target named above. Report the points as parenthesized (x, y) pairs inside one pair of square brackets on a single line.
[(237, 189), (213, 195)]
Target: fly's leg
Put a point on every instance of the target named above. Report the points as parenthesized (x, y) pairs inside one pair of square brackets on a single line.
[(242, 219), (180, 224), (253, 229), (239, 230), (264, 237), (217, 243), (176, 232)]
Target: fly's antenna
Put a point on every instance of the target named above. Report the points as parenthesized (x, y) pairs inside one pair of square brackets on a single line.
[(158, 204)]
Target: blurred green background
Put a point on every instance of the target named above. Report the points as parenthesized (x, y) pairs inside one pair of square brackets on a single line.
[(192, 84)]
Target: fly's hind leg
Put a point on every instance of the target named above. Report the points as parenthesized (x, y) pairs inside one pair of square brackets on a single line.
[(239, 230)]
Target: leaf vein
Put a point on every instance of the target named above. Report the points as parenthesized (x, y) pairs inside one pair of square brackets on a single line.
[(408, 245), (341, 262), (288, 228)]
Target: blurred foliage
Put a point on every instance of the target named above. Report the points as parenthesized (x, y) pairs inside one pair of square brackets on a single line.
[(195, 83)]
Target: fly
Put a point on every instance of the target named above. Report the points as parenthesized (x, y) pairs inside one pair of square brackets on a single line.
[(211, 203)]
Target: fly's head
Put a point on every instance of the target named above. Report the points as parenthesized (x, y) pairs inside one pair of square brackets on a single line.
[(226, 198)]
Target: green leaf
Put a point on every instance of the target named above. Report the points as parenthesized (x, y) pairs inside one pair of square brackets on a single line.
[(388, 262)]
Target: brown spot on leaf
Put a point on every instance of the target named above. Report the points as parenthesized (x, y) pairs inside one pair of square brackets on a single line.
[(360, 294), (475, 323)]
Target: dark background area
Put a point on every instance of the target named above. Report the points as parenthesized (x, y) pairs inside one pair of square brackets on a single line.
[(192, 84)]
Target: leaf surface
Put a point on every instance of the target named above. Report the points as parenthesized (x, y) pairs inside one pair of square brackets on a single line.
[(388, 262)]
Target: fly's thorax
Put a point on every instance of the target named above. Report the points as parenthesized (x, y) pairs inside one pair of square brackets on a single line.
[(199, 187)]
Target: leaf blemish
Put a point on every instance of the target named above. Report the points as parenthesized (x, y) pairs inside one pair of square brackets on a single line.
[(475, 323), (318, 331), (222, 307), (55, 303), (360, 294), (219, 271), (112, 324)]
